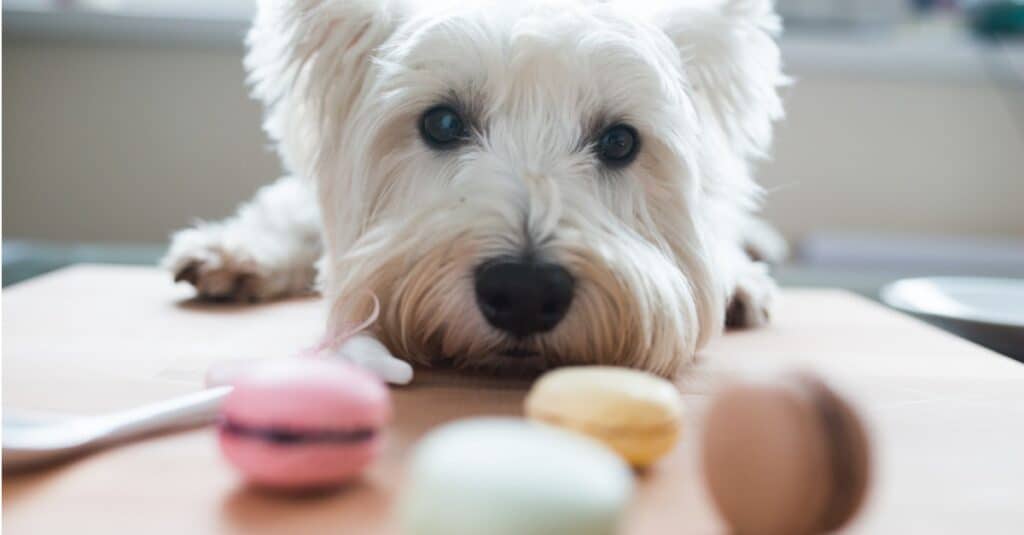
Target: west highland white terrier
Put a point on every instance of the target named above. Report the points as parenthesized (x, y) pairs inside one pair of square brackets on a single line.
[(510, 184)]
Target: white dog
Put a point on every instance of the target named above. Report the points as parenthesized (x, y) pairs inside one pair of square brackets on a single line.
[(520, 184)]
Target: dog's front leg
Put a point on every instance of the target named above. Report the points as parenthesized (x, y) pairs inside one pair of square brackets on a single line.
[(265, 251), (753, 297), (754, 290), (368, 352)]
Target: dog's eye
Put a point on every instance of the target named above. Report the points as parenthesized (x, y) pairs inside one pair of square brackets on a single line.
[(618, 145), (442, 127)]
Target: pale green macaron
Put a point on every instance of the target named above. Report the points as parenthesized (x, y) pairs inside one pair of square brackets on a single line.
[(511, 477)]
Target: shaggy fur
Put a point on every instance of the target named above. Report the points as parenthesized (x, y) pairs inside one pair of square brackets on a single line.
[(657, 248)]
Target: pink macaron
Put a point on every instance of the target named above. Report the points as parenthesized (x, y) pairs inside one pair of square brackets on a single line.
[(303, 422)]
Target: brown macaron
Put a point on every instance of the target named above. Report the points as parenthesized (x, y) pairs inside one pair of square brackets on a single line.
[(785, 458)]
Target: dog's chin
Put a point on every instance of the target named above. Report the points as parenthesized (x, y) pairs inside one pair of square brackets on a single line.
[(511, 360), (518, 352)]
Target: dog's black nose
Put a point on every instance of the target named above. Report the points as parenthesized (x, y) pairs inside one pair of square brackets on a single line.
[(522, 297)]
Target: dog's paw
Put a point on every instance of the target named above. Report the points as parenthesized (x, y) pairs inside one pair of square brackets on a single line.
[(200, 257), (753, 299), (369, 353)]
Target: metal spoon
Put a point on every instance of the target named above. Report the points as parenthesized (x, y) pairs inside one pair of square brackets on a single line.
[(34, 442)]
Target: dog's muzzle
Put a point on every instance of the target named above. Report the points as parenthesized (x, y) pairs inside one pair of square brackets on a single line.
[(523, 297)]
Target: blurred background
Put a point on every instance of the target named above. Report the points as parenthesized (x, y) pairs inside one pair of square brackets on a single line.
[(902, 153)]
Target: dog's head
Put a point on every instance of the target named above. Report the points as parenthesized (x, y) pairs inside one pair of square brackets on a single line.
[(524, 183)]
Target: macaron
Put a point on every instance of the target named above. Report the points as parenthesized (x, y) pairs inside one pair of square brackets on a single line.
[(789, 457), (303, 422), (636, 414), (512, 477)]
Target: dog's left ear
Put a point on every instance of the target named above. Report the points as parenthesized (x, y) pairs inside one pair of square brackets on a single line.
[(733, 65), (308, 61)]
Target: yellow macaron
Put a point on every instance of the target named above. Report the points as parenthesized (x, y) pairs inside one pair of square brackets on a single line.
[(636, 414)]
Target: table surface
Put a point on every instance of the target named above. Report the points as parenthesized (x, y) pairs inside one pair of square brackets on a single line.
[(946, 416)]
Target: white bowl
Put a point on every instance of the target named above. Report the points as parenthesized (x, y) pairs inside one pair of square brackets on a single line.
[(988, 311)]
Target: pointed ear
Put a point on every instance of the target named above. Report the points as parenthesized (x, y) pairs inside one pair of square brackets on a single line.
[(732, 61), (307, 62)]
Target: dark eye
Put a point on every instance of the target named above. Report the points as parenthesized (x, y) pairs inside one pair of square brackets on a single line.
[(442, 128), (618, 145)]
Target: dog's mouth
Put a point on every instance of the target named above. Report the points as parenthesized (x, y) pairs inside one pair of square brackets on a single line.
[(519, 352)]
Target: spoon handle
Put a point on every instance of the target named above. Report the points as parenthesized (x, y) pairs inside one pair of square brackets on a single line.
[(31, 446), (190, 410)]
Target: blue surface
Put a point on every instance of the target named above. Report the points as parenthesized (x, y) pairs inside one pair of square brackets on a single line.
[(26, 259)]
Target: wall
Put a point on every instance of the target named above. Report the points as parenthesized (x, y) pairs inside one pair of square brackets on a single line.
[(126, 142), (110, 143), (897, 156)]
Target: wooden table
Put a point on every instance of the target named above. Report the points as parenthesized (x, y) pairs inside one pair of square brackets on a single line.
[(947, 416)]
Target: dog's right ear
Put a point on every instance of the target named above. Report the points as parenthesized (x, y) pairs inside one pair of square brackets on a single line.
[(307, 62), (733, 64)]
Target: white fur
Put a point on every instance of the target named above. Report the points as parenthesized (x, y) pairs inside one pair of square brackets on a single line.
[(266, 250), (656, 248)]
